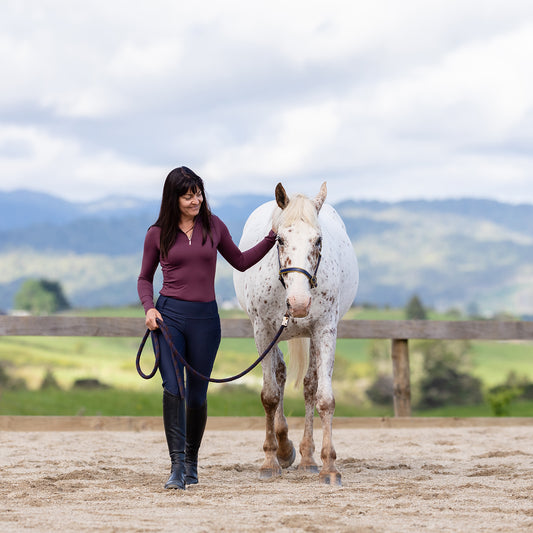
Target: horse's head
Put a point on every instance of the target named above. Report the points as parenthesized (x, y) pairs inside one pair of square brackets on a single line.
[(299, 246)]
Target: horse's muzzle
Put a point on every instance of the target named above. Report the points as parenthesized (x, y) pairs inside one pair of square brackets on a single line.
[(297, 307)]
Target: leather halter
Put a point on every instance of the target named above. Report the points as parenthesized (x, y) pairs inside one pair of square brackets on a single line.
[(311, 278)]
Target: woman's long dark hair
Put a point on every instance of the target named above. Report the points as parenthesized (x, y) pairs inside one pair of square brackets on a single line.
[(180, 181)]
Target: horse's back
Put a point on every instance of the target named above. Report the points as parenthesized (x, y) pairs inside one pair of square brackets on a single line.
[(258, 224), (340, 251)]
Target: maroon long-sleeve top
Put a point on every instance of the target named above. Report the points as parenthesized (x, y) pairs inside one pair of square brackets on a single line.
[(189, 268)]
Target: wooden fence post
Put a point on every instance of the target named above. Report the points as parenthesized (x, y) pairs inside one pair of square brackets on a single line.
[(401, 379)]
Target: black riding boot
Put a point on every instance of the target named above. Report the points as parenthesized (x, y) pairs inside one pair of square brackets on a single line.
[(196, 419), (174, 421)]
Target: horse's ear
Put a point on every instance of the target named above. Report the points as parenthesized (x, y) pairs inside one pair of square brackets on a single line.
[(281, 196), (320, 197)]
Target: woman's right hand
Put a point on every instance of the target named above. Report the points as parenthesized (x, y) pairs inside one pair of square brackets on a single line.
[(151, 316)]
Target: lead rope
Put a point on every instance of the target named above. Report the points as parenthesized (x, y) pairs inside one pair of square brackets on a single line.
[(176, 356)]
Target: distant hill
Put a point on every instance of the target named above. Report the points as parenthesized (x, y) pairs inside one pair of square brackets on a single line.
[(22, 209), (466, 253)]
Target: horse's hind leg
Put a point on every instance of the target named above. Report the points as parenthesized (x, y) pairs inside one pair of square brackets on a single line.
[(307, 444), (286, 452)]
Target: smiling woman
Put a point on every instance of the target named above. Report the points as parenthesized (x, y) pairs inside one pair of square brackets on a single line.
[(185, 241)]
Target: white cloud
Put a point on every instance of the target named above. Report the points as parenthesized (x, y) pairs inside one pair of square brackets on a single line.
[(385, 98), (31, 158), (304, 129)]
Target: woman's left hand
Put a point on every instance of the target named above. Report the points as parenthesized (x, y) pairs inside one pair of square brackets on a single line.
[(151, 318)]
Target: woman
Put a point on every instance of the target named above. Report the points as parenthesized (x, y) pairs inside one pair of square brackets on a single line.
[(184, 241)]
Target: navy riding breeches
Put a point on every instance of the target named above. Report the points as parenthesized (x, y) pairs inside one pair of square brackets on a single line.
[(195, 332)]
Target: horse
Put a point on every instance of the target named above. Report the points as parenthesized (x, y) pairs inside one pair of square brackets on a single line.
[(312, 276)]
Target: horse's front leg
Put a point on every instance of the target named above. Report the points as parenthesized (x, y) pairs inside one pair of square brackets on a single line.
[(325, 342), (307, 444), (270, 397), (286, 452)]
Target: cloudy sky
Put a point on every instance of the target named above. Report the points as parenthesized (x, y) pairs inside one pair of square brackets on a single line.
[(382, 99)]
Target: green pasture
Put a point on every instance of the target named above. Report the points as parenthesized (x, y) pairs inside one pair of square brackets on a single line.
[(111, 361)]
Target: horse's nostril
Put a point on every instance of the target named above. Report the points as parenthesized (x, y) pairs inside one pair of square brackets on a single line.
[(297, 307)]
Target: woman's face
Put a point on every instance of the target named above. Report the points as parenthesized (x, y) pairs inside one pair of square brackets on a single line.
[(190, 203)]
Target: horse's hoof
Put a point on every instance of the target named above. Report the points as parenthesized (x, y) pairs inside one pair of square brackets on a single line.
[(308, 468), (285, 463), (269, 473), (331, 478)]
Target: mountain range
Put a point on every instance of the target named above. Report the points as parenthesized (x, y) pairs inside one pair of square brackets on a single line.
[(469, 254)]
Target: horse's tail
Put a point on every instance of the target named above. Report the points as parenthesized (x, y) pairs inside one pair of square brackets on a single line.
[(299, 355)]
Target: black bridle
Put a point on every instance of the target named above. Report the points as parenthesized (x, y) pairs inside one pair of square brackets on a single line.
[(311, 278)]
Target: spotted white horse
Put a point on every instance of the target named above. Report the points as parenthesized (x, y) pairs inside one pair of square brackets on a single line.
[(312, 273)]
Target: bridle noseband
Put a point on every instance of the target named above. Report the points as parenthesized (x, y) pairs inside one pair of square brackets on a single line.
[(311, 278)]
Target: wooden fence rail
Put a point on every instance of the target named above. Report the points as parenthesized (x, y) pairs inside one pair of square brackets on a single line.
[(398, 331)]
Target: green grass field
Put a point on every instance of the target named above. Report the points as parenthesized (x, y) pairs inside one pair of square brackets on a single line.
[(112, 362)]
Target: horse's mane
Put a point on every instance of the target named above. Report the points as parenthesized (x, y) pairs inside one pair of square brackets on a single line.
[(299, 208)]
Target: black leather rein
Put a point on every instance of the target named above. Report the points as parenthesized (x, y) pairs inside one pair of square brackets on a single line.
[(177, 357)]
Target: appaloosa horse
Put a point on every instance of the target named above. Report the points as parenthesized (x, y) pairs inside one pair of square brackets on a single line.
[(312, 274)]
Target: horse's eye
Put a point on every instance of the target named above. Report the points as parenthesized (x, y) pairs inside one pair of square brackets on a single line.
[(281, 242)]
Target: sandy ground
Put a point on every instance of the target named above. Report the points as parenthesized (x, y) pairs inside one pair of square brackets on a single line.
[(418, 479)]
